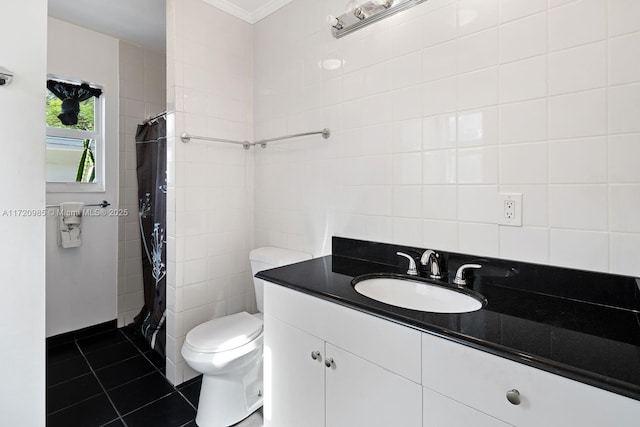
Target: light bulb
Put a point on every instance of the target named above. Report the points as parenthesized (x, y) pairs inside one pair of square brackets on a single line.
[(334, 22), (351, 5)]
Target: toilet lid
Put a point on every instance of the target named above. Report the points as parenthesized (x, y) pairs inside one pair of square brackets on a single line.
[(224, 333)]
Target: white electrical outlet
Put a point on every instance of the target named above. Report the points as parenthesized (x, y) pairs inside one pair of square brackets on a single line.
[(510, 212)]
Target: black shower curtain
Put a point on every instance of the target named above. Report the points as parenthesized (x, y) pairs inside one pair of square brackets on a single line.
[(151, 155)]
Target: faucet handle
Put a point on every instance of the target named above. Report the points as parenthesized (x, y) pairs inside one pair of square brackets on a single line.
[(459, 279), (412, 271), (432, 258)]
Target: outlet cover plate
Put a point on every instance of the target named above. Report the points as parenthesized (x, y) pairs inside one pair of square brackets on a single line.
[(510, 209)]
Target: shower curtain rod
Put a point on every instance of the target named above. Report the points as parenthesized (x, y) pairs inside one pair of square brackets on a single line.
[(185, 137), (157, 116)]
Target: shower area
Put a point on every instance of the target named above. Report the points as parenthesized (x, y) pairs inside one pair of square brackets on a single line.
[(142, 232), (151, 172)]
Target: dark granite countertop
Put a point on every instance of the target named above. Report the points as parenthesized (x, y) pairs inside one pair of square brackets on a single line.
[(590, 340)]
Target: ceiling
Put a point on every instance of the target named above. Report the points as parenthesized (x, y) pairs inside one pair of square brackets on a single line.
[(142, 22)]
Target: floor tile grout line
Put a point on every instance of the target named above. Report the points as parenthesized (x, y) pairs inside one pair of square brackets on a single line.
[(93, 371), (147, 404), (115, 363), (68, 380), (73, 404), (185, 398), (175, 389), (119, 416), (119, 361), (146, 358), (77, 340), (163, 375), (90, 372), (49, 366), (165, 378), (130, 381)]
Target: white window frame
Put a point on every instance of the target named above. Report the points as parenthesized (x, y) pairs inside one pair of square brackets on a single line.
[(98, 186)]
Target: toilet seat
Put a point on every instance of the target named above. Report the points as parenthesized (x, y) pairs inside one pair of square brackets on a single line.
[(224, 334)]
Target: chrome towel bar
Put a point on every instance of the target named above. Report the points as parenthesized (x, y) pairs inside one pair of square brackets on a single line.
[(102, 204)]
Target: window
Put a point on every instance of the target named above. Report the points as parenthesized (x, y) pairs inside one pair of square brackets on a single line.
[(74, 143)]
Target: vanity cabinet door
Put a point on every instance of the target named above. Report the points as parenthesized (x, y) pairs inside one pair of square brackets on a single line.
[(519, 394), (360, 393), (440, 411), (293, 378)]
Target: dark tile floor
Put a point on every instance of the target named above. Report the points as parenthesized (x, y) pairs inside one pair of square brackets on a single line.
[(115, 379)]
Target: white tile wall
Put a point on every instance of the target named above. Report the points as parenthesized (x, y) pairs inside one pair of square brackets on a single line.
[(578, 69), (578, 114), (623, 17), (435, 112), (523, 79), (524, 38), (514, 9), (577, 22), (142, 95), (523, 163), (210, 194)]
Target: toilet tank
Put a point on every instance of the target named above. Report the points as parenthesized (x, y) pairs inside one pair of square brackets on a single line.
[(270, 257)]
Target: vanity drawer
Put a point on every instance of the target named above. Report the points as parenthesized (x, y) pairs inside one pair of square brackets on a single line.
[(389, 345), (482, 381)]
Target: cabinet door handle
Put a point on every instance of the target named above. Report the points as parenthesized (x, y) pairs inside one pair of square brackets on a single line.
[(329, 363), (513, 396), (315, 355)]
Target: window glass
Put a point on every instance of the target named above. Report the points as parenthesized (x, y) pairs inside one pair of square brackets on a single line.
[(70, 159), (74, 152)]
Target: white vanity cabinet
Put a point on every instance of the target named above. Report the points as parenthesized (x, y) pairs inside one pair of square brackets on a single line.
[(482, 381), (327, 365)]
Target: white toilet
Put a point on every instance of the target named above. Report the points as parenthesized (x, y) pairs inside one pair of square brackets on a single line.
[(228, 352)]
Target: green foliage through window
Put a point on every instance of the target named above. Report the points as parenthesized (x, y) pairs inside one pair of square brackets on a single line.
[(86, 167)]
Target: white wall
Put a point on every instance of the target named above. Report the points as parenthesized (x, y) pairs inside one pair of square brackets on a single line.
[(436, 110), (210, 194), (82, 282), (142, 95), (22, 319)]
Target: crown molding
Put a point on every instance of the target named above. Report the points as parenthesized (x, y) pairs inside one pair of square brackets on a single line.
[(252, 16)]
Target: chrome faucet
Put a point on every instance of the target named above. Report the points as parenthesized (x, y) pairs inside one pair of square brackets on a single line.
[(459, 279), (432, 259), (412, 271)]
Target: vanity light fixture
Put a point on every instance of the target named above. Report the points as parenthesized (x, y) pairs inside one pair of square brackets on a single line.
[(359, 14)]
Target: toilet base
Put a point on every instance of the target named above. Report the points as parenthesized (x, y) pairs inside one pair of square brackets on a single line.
[(226, 400)]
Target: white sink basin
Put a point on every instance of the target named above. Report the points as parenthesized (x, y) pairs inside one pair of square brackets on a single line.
[(417, 295)]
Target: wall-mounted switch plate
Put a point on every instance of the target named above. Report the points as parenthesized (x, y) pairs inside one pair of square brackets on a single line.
[(510, 209)]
